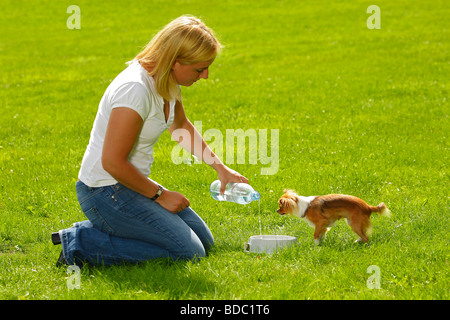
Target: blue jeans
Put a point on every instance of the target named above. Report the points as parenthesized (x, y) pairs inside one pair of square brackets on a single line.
[(125, 226)]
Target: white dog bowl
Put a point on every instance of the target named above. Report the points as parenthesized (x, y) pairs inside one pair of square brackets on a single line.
[(269, 243)]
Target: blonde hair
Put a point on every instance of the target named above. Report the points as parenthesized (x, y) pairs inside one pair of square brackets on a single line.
[(186, 39)]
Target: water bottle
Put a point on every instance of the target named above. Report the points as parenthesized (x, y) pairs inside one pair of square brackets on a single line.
[(241, 193)]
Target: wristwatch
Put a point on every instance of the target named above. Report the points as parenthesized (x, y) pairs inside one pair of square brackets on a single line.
[(158, 193)]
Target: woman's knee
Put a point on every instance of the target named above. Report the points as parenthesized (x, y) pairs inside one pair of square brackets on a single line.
[(196, 223), (193, 249), (195, 255)]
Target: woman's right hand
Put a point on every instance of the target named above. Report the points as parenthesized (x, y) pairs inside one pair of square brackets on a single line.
[(227, 175), (173, 201)]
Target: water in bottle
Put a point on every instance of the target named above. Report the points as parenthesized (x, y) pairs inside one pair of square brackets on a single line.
[(241, 193)]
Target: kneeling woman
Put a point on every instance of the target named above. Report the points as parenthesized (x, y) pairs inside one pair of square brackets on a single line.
[(131, 217)]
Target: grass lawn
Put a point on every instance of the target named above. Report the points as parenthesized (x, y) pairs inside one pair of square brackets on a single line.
[(359, 111)]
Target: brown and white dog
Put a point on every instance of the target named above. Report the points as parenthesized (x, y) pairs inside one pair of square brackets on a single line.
[(321, 212)]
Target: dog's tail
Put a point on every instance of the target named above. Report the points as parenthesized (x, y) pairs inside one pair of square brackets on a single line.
[(382, 210)]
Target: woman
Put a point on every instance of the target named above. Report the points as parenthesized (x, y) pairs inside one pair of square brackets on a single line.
[(131, 217)]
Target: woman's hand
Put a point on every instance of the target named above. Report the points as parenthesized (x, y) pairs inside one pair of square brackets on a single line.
[(173, 201), (227, 175)]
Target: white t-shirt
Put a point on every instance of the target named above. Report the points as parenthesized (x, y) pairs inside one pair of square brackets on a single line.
[(135, 89)]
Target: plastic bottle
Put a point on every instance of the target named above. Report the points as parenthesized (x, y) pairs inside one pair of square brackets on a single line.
[(241, 193)]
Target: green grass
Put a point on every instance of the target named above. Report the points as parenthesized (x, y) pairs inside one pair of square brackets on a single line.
[(359, 111)]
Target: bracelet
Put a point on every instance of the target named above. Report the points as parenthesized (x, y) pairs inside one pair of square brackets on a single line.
[(158, 193)]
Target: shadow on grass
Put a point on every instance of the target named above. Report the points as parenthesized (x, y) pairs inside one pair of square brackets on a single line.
[(159, 279)]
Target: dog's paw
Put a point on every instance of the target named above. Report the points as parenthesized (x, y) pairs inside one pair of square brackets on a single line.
[(361, 241)]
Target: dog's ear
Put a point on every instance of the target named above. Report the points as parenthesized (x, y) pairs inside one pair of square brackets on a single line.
[(288, 193)]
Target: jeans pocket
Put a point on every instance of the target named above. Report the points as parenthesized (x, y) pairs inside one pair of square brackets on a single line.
[(122, 195), (97, 220), (84, 193)]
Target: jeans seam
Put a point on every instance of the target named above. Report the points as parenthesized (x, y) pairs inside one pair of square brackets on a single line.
[(65, 244), (103, 221)]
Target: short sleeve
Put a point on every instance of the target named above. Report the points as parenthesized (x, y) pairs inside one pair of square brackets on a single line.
[(132, 95)]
